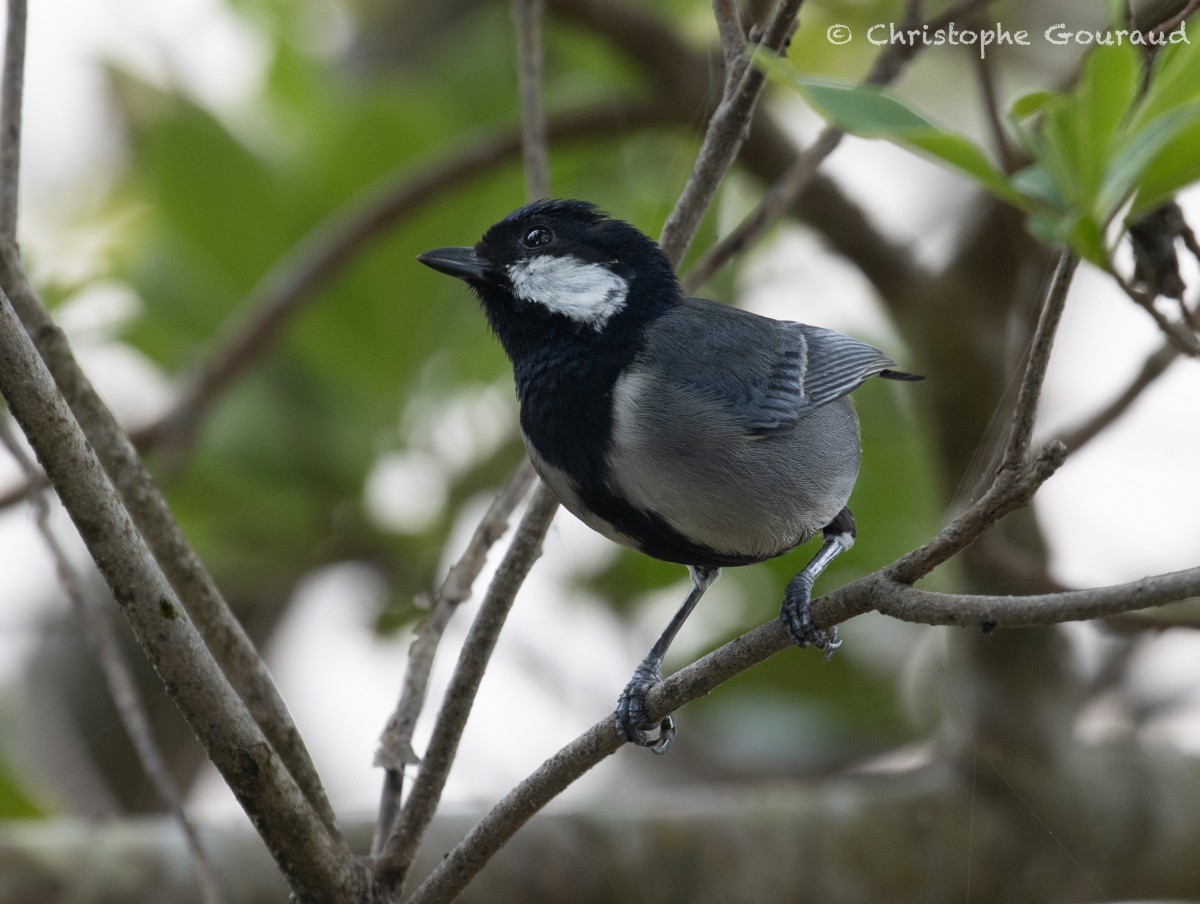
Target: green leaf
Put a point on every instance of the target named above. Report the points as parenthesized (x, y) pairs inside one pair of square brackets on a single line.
[(866, 111), (1025, 108), (1061, 152), (1092, 148), (1087, 237), (1030, 104), (1176, 166), (872, 113), (1131, 165), (1048, 230), (1036, 183), (1174, 82), (15, 803), (1107, 88)]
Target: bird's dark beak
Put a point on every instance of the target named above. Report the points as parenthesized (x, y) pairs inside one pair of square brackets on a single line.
[(463, 263)]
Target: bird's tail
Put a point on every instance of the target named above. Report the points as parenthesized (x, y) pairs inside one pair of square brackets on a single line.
[(900, 375)]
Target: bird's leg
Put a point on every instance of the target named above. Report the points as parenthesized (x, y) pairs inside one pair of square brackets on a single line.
[(632, 721), (796, 612)]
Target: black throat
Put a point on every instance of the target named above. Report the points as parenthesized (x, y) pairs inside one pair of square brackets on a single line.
[(565, 376)]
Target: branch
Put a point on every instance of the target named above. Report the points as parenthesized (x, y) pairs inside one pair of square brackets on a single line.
[(1017, 478), (1181, 335), (316, 864), (189, 579), (728, 127), (221, 630), (1025, 415), (903, 601), (11, 95), (97, 626), (492, 832), (784, 192), (528, 17), (875, 591), (1175, 21), (730, 30), (985, 76), (395, 751), (400, 849), (770, 210)]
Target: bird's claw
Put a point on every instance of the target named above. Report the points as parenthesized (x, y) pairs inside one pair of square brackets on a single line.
[(796, 615), (633, 723)]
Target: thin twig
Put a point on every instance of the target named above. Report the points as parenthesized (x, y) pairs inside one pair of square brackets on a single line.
[(11, 95), (903, 601), (528, 17), (1016, 452), (201, 597), (1175, 21), (784, 191), (769, 210), (96, 623), (985, 74), (1153, 368), (1178, 334), (316, 864), (524, 801), (395, 751), (1018, 476), (20, 492), (730, 30), (726, 132), (400, 849), (875, 591)]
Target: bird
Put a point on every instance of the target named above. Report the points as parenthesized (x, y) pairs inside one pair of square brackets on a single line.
[(689, 430)]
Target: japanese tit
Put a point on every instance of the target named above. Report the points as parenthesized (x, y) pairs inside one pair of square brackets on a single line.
[(692, 431)]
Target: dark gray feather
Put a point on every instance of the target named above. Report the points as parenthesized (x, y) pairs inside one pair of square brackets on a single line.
[(837, 364), (765, 373)]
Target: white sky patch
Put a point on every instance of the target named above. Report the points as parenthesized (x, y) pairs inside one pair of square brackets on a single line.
[(406, 492), (586, 292)]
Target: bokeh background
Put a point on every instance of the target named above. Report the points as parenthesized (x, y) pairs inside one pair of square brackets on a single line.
[(179, 157)]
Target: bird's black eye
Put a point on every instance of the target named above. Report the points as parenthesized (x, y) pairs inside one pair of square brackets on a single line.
[(537, 236)]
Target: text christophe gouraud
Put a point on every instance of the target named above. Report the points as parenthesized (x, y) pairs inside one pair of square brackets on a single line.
[(952, 35)]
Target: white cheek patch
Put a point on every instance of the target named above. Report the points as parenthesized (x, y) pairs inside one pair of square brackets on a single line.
[(586, 292)]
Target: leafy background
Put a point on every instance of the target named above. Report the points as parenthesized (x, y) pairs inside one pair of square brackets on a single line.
[(386, 391)]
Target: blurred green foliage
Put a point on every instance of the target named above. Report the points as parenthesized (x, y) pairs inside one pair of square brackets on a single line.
[(14, 803), (273, 486), (1120, 142)]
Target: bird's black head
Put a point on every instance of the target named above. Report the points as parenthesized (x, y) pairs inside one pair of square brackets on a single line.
[(558, 269)]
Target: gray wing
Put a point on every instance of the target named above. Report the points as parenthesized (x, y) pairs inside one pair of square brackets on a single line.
[(767, 374)]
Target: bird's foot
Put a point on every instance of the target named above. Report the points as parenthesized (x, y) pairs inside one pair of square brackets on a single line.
[(796, 615), (633, 724)]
